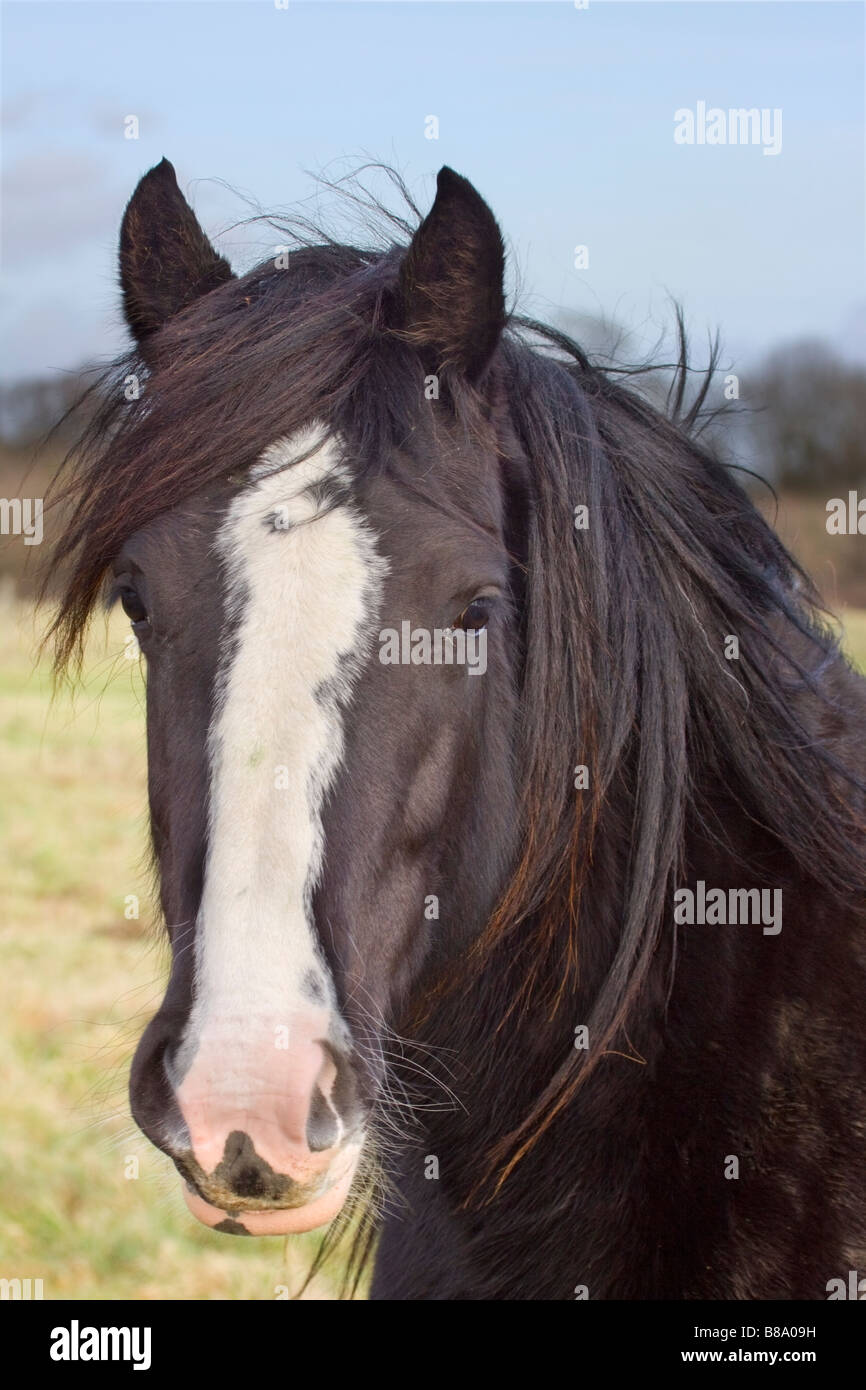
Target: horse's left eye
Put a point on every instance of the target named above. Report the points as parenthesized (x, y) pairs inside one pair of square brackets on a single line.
[(475, 615), (132, 606)]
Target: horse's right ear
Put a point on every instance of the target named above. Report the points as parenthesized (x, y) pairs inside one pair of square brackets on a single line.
[(166, 261)]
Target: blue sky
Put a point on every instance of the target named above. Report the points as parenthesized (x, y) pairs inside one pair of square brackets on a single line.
[(563, 118)]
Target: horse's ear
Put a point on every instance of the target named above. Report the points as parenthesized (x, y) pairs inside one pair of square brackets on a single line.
[(451, 302), (166, 261)]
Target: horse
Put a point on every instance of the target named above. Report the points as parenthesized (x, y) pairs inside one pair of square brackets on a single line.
[(540, 975)]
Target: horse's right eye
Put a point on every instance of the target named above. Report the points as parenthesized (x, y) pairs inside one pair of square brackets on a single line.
[(132, 606)]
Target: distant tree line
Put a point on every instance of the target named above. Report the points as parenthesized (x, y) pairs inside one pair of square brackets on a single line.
[(799, 419), (34, 406), (808, 415)]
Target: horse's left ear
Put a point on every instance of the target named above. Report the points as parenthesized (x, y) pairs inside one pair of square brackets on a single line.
[(451, 301), (166, 261)]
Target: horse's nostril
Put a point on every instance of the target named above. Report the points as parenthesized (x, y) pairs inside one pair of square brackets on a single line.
[(323, 1127), (343, 1094)]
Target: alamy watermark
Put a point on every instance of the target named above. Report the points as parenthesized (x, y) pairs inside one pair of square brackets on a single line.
[(740, 125), (22, 516), (21, 1289), (851, 1288), (77, 1343), (729, 907), (439, 646), (846, 518)]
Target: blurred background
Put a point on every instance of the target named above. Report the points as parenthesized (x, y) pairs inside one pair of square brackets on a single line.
[(564, 117)]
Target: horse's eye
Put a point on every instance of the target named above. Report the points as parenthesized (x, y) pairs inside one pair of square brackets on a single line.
[(132, 606), (475, 615)]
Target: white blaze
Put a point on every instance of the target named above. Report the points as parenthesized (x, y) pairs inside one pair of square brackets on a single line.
[(304, 581)]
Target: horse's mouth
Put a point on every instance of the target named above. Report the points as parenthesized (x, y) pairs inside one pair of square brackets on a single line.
[(302, 1207)]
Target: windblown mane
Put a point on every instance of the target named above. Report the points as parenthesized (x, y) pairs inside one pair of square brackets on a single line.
[(676, 557), (623, 625)]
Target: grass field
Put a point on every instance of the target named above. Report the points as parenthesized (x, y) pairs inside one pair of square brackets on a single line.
[(79, 981)]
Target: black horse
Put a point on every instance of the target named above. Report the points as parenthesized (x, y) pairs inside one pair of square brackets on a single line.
[(506, 789)]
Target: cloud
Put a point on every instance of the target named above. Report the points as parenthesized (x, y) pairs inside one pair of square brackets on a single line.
[(15, 113), (53, 201), (39, 108)]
